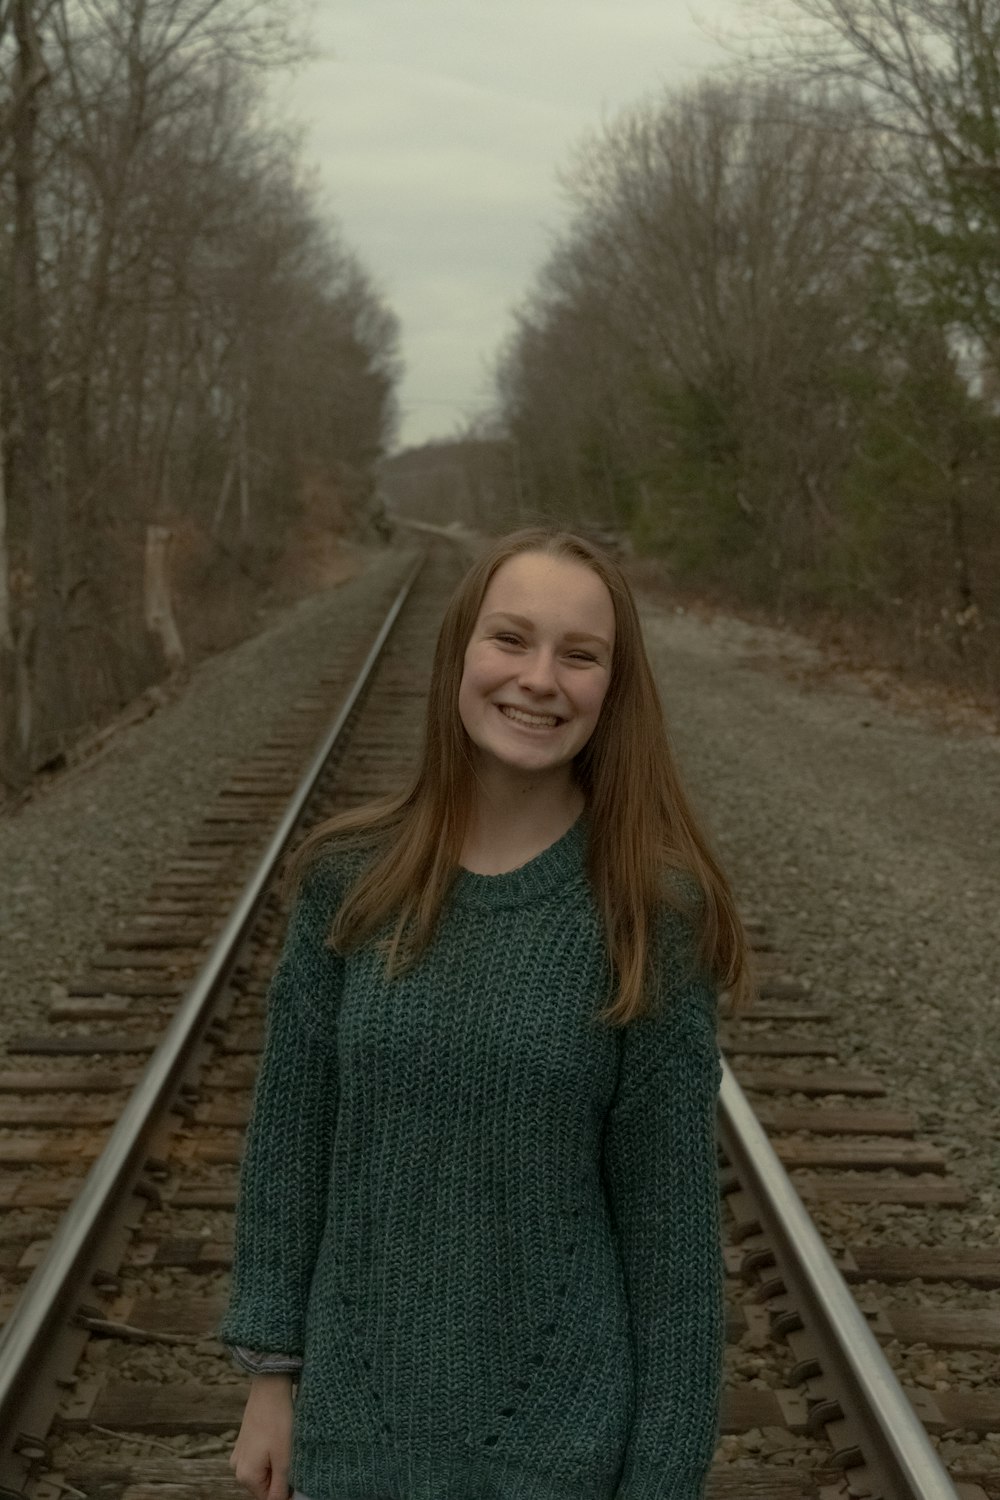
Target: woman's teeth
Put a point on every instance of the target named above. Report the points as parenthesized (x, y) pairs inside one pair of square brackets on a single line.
[(548, 721)]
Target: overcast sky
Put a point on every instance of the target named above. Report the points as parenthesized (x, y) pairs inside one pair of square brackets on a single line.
[(438, 127)]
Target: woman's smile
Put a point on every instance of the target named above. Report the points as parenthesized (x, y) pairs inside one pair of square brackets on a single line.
[(528, 718)]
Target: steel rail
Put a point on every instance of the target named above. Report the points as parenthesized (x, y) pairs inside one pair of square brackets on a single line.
[(70, 1257), (894, 1445)]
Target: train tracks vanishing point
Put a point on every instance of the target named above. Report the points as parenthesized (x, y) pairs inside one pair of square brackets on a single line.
[(110, 1385)]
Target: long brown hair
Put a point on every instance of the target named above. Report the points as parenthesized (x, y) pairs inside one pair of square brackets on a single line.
[(641, 823)]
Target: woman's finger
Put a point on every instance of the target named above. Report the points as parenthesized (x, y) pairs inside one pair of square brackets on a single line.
[(257, 1480), (279, 1487)]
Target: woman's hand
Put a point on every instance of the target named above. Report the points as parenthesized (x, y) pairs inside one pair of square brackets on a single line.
[(262, 1452)]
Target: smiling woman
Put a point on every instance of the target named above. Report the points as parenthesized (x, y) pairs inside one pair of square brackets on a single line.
[(478, 1208), (535, 675)]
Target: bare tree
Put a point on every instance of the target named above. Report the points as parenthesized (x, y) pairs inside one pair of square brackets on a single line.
[(930, 73), (37, 683), (718, 263), (186, 344)]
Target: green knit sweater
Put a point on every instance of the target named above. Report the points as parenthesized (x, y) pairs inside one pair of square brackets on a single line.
[(488, 1223)]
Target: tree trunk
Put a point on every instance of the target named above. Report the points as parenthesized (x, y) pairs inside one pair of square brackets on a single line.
[(50, 681), (964, 611), (243, 461), (158, 608), (11, 746), (6, 620)]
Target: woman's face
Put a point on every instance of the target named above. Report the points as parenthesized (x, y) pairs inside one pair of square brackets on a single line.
[(538, 663)]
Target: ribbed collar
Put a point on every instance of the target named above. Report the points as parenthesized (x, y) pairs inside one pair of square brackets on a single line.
[(554, 867)]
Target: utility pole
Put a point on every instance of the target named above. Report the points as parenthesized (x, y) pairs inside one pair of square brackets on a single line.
[(515, 449)]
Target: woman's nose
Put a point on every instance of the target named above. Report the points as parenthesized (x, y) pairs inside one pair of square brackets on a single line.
[(538, 672)]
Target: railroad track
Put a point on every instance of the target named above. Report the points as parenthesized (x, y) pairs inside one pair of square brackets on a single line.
[(806, 1135), (110, 1383)]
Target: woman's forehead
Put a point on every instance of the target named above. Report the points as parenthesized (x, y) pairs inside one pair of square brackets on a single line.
[(535, 583)]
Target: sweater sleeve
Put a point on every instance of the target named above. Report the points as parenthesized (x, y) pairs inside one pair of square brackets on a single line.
[(660, 1168), (282, 1195)]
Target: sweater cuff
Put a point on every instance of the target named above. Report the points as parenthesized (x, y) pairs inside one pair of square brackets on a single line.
[(261, 1362), (663, 1484)]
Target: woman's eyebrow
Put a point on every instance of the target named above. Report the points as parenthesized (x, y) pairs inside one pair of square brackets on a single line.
[(525, 624)]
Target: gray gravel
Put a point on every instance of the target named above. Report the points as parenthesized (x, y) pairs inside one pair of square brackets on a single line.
[(866, 834), (76, 858)]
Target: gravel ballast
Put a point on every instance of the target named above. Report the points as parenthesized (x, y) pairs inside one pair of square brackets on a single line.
[(866, 835), (79, 855)]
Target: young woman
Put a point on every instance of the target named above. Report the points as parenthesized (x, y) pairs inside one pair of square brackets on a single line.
[(478, 1209)]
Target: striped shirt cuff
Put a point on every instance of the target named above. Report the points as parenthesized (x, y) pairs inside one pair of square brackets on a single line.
[(258, 1362)]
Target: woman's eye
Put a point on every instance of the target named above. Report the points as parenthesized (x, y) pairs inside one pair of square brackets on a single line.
[(582, 656), (507, 638)]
